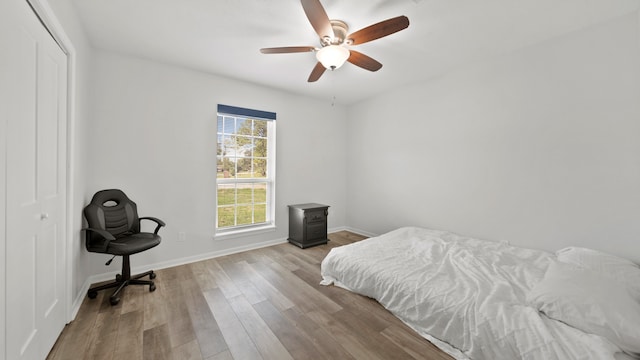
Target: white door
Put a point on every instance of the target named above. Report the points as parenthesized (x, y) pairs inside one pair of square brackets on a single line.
[(35, 183)]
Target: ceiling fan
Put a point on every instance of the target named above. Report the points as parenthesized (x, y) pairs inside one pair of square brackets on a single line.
[(335, 37)]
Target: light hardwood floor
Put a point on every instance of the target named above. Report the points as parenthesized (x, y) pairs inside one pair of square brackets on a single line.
[(260, 304)]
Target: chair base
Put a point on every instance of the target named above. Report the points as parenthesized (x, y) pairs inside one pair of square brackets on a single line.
[(123, 281)]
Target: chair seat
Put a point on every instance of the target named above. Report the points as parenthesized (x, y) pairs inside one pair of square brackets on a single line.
[(132, 244)]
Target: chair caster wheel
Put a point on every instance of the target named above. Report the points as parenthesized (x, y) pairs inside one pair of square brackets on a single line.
[(114, 301), (152, 276), (92, 294), (118, 278), (152, 287)]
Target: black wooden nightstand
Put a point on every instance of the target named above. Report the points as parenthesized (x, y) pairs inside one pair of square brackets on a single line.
[(308, 224)]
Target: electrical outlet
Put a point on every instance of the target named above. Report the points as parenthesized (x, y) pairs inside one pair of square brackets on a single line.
[(182, 236)]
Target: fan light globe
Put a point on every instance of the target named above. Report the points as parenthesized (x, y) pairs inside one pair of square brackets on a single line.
[(332, 56)]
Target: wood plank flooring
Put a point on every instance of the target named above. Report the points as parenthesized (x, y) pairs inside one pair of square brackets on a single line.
[(260, 304)]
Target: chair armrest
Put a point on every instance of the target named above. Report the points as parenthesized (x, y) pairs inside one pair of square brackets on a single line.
[(156, 220), (98, 240)]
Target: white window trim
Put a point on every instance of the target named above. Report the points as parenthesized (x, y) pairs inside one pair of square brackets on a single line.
[(269, 226), (238, 232)]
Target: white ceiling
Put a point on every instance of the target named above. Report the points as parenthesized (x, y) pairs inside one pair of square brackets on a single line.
[(224, 36)]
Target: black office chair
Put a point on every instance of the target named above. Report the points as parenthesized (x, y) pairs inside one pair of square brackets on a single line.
[(114, 228)]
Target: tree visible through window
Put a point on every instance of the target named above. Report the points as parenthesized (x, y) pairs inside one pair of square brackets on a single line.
[(244, 169)]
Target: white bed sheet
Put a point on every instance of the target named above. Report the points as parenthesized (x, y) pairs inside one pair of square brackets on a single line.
[(467, 295)]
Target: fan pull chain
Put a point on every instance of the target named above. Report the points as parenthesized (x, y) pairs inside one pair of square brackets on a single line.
[(333, 87)]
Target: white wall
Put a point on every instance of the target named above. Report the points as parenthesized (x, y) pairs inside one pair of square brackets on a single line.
[(540, 148), (152, 134)]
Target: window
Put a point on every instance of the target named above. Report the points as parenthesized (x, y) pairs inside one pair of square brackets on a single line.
[(245, 154)]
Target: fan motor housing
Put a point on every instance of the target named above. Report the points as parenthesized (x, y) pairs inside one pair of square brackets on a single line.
[(340, 31)]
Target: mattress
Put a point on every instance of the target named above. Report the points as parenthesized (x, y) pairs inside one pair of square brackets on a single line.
[(467, 296)]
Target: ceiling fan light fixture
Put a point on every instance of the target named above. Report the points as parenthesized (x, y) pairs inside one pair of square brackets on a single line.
[(332, 56), (335, 40)]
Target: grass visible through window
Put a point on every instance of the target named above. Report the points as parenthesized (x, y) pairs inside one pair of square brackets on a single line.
[(241, 205)]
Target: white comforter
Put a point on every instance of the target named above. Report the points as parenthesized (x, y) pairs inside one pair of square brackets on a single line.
[(465, 292)]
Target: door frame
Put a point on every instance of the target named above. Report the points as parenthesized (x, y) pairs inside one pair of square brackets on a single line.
[(53, 25)]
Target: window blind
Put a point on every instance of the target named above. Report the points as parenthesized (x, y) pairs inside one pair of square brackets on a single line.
[(250, 113)]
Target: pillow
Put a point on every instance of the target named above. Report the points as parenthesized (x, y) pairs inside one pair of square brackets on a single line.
[(588, 301), (622, 270)]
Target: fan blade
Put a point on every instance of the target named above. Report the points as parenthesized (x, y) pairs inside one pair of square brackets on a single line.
[(287, 49), (379, 30), (316, 72), (363, 61), (318, 18)]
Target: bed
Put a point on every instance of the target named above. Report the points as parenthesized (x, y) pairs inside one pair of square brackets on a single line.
[(479, 299)]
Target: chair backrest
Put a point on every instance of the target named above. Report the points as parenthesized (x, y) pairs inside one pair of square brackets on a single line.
[(113, 211)]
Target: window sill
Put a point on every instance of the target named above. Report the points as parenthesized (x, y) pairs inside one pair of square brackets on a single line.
[(250, 231)]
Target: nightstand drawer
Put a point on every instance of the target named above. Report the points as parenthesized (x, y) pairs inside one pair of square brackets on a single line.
[(317, 230), (315, 216)]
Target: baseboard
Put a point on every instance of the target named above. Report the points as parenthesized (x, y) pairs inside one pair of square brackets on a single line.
[(360, 232), (336, 229), (79, 298), (353, 230), (181, 261), (77, 302)]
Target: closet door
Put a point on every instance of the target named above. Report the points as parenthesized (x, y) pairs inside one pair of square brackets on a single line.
[(35, 184)]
